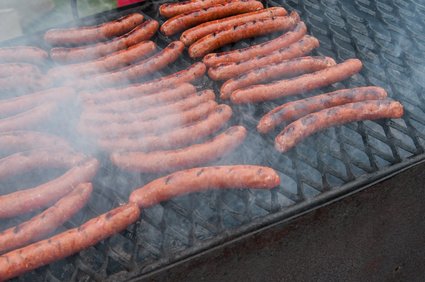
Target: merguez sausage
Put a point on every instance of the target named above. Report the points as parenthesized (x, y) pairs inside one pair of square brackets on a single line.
[(314, 122), (23, 54), (169, 10), (204, 178), (297, 85), (67, 243), (293, 110)]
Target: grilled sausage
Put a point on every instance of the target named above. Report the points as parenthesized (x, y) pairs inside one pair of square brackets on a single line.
[(228, 70), (23, 54), (80, 54), (293, 110), (17, 69), (297, 85), (174, 139), (204, 178), (15, 85), (218, 11), (67, 243), (92, 34), (192, 156), (43, 195), (46, 222), (241, 31), (195, 33), (314, 122), (169, 10), (263, 49), (285, 69)]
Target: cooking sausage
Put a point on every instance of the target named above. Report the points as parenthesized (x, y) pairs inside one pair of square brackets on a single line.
[(12, 69), (241, 31), (217, 11), (263, 49), (142, 32), (110, 62), (285, 69), (192, 156), (14, 85), (204, 178), (23, 54), (176, 138), (46, 222), (228, 70), (67, 243), (148, 66), (293, 110), (193, 34), (314, 122), (169, 10), (43, 195), (297, 85), (92, 34)]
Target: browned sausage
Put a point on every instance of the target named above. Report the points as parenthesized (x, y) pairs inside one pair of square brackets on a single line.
[(14, 85), (23, 54), (67, 243), (241, 31), (192, 156), (195, 33), (169, 10), (263, 49), (293, 110), (80, 54), (297, 85), (285, 69), (218, 11), (43, 195), (228, 70), (176, 138), (92, 34), (314, 122), (46, 222), (204, 178), (17, 69)]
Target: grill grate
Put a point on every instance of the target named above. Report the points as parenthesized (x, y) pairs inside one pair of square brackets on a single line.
[(388, 36)]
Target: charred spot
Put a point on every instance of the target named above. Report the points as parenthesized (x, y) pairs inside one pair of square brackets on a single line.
[(49, 241), (259, 171), (234, 27), (290, 129), (44, 214), (232, 131), (168, 179), (309, 119), (214, 34), (172, 45), (219, 109), (17, 229), (200, 172), (80, 228), (109, 215), (254, 21)]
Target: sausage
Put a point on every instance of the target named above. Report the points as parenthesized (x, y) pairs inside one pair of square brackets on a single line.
[(14, 85), (67, 243), (285, 69), (193, 34), (314, 122), (142, 32), (297, 85), (92, 34), (176, 138), (169, 10), (228, 70), (110, 62), (43, 195), (217, 11), (153, 126), (192, 156), (241, 31), (46, 222), (204, 178), (262, 49), (17, 69), (293, 110), (23, 54)]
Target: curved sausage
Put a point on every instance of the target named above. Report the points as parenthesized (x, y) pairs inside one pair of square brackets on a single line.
[(67, 243), (218, 11), (297, 85), (193, 34), (241, 31), (169, 10), (314, 122), (228, 70), (17, 69), (92, 34), (23, 54), (205, 178), (293, 110), (46, 222), (43, 195), (63, 55), (188, 157), (286, 69)]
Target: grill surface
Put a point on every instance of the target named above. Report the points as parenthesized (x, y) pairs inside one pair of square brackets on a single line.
[(388, 36)]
